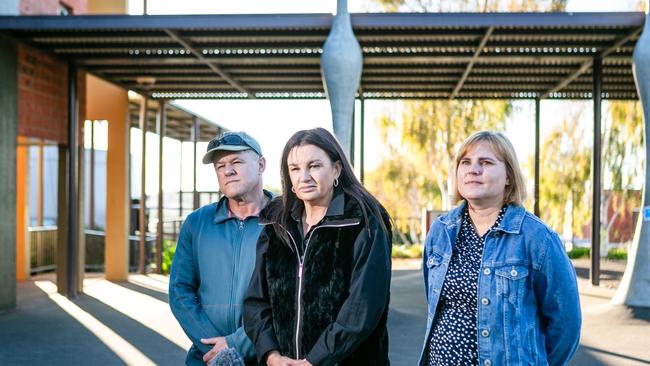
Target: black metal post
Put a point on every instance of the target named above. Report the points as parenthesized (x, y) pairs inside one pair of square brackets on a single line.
[(162, 121), (195, 139), (144, 108), (73, 173), (597, 71), (180, 183), (536, 193)]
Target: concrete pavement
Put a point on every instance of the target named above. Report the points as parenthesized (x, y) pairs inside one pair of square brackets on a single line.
[(130, 323)]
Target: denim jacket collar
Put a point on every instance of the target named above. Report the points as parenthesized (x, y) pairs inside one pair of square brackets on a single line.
[(511, 222), (222, 212)]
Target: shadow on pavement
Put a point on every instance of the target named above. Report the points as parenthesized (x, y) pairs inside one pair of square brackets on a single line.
[(153, 345), (39, 331), (144, 290)]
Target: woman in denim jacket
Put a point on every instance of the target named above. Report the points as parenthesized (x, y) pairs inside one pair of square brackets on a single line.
[(500, 288)]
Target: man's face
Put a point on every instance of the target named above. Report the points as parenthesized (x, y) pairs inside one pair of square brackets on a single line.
[(238, 172)]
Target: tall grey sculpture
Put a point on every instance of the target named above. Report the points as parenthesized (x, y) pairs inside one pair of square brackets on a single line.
[(634, 289), (341, 64)]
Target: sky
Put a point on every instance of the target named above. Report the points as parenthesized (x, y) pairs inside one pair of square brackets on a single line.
[(272, 122)]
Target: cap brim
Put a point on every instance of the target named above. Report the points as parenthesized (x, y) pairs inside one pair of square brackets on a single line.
[(208, 158)]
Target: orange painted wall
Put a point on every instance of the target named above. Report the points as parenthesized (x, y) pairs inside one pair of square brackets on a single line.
[(22, 212), (109, 102)]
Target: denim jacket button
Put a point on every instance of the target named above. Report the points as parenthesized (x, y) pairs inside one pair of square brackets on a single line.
[(430, 262), (487, 363), (514, 273), (485, 333), (486, 271), (485, 301)]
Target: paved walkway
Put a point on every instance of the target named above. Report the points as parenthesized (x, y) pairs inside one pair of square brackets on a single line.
[(130, 323)]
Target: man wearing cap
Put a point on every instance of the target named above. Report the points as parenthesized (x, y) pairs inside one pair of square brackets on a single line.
[(215, 254)]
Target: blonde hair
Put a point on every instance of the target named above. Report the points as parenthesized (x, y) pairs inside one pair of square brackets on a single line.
[(515, 192)]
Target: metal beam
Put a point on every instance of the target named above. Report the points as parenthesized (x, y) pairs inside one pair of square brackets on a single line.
[(470, 65), (459, 59), (224, 75), (362, 21), (587, 64), (594, 273), (113, 44)]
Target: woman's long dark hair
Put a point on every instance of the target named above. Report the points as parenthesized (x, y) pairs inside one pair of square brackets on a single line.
[(348, 182)]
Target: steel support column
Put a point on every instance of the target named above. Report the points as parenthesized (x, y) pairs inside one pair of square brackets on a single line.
[(162, 121), (143, 180), (180, 183), (195, 139), (73, 182), (597, 72), (536, 189)]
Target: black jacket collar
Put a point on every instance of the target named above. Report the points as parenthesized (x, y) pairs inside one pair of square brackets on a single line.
[(342, 210)]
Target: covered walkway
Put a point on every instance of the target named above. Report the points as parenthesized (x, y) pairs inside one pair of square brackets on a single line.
[(129, 322), (532, 56)]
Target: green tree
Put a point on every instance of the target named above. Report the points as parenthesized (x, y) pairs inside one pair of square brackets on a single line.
[(431, 131), (623, 158), (395, 185), (565, 184)]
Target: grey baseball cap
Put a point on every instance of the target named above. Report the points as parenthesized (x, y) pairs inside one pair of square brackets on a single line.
[(231, 141)]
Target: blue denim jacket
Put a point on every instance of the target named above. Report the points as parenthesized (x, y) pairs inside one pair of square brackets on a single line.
[(528, 302), (212, 267)]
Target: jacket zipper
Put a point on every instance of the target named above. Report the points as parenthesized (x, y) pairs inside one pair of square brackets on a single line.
[(301, 265)]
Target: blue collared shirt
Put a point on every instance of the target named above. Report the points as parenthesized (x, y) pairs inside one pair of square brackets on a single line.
[(212, 267)]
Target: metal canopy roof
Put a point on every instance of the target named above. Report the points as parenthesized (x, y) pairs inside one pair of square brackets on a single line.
[(406, 55), (179, 122)]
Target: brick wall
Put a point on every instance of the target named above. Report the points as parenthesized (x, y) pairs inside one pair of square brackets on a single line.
[(43, 96), (43, 82)]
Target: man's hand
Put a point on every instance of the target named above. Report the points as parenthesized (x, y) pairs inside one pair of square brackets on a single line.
[(276, 359), (218, 344)]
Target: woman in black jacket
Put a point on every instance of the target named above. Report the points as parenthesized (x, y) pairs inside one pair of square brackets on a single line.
[(320, 289)]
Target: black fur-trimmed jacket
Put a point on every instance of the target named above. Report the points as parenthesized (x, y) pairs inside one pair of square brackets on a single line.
[(343, 285)]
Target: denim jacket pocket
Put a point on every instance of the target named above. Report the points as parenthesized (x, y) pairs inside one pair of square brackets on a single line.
[(511, 286), (511, 281)]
